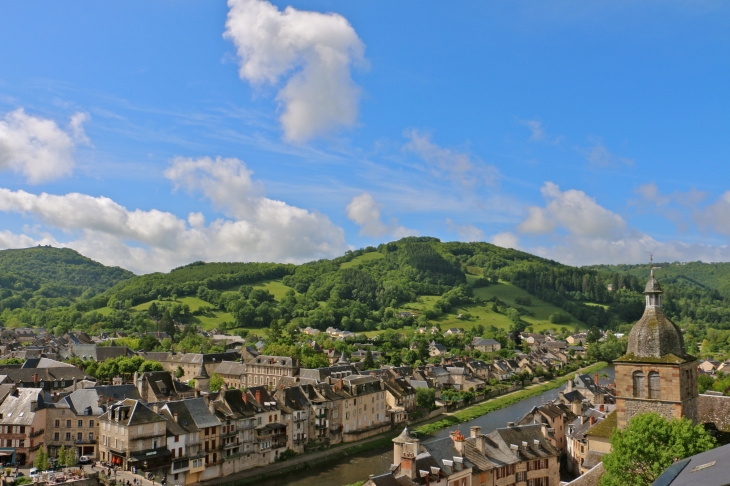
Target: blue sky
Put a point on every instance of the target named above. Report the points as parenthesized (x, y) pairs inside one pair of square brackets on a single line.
[(152, 134)]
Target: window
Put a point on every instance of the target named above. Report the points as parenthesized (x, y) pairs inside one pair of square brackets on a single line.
[(654, 385), (639, 384), (91, 437), (68, 423), (81, 423), (79, 436), (68, 435), (91, 423), (55, 436), (57, 423)]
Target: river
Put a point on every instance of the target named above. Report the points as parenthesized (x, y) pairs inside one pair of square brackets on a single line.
[(356, 468)]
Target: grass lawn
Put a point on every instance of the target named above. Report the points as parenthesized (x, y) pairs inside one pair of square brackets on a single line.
[(483, 314), (595, 304), (374, 255), (274, 287), (207, 322)]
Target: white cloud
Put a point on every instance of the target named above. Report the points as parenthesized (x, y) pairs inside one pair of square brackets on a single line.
[(633, 247), (716, 216), (312, 51), (364, 211), (144, 241), (506, 239), (467, 232), (37, 147), (458, 166), (574, 211)]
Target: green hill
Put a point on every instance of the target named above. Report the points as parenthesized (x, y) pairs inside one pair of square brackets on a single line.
[(47, 277), (415, 281)]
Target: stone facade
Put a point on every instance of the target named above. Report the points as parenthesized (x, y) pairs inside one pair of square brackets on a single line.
[(677, 392), (714, 409)]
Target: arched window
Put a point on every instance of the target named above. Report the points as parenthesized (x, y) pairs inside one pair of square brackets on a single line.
[(639, 385), (654, 385)]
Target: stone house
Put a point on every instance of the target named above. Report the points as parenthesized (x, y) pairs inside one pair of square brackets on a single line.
[(233, 373), (486, 345), (134, 436), (516, 454), (73, 422), (268, 370), (22, 425), (187, 457)]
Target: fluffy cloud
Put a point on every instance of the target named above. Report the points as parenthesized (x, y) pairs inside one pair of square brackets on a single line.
[(443, 162), (313, 51), (37, 147), (365, 212), (262, 229), (574, 211), (506, 239), (467, 232)]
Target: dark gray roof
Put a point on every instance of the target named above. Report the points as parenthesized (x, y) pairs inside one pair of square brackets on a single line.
[(85, 400), (690, 471)]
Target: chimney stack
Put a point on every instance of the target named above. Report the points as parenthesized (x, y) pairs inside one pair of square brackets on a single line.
[(258, 396), (211, 407), (593, 420), (174, 416), (595, 378), (475, 431)]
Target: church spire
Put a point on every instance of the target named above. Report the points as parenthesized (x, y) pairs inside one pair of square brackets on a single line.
[(653, 290)]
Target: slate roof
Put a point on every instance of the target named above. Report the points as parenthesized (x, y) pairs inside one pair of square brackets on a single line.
[(690, 471), (231, 368), (87, 399), (16, 408)]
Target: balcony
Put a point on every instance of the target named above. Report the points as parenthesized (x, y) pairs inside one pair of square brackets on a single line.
[(320, 426), (320, 414), (37, 433), (230, 434), (85, 441), (232, 444)]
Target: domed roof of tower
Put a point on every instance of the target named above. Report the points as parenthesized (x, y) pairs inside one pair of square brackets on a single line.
[(655, 338)]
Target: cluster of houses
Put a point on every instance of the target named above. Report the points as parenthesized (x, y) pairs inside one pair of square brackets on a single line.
[(528, 451), (170, 423)]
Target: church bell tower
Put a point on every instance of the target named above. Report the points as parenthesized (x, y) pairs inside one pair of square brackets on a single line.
[(656, 374)]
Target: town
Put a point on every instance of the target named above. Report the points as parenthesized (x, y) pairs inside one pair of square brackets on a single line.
[(200, 416)]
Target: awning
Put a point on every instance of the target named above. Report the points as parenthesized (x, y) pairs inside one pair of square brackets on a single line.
[(6, 453)]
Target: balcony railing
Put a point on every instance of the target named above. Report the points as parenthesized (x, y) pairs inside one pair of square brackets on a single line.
[(321, 415), (37, 433)]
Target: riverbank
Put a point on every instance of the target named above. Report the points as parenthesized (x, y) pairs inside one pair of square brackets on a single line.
[(479, 409)]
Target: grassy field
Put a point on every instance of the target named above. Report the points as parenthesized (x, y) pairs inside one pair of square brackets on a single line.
[(274, 287), (362, 258), (483, 314)]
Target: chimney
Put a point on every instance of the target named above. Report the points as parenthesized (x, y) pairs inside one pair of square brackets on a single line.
[(245, 396), (211, 407), (510, 424), (544, 430), (174, 417), (479, 439), (595, 378), (475, 431), (74, 383), (458, 441), (35, 379), (582, 419), (576, 407), (593, 420), (258, 396), (601, 408), (197, 392)]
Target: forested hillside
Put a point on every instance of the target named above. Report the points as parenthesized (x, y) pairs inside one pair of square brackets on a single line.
[(416, 281), (45, 277)]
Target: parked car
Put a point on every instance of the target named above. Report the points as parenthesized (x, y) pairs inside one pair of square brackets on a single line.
[(84, 460), (33, 472)]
